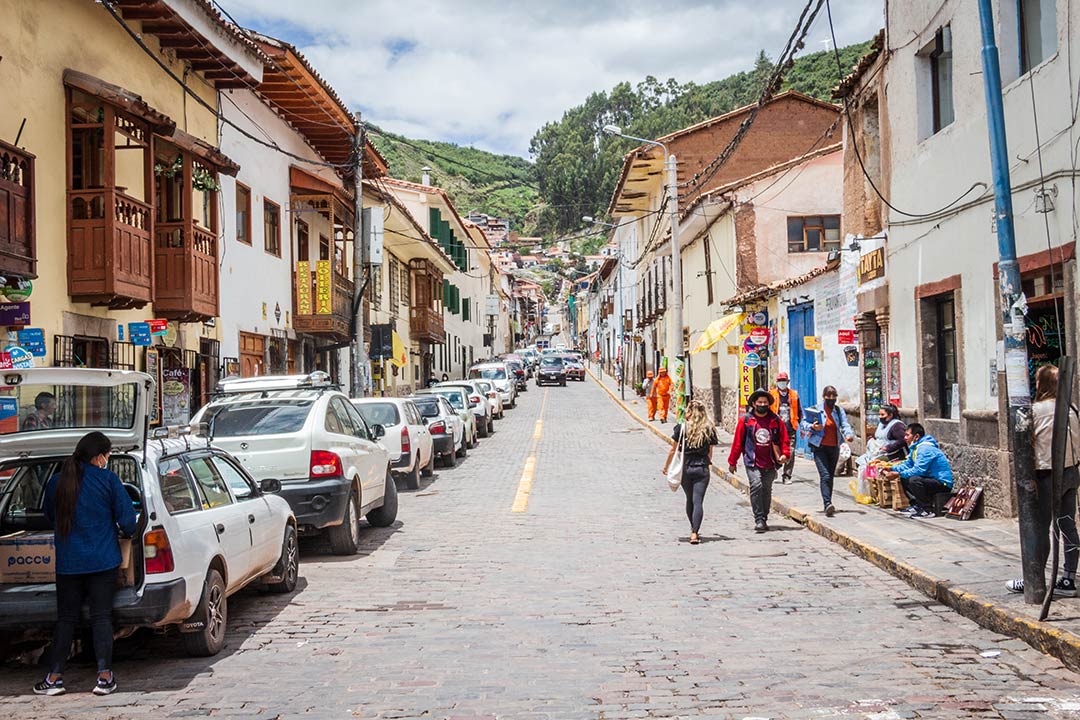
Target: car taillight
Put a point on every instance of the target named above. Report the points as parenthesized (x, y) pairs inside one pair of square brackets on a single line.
[(325, 464), (437, 428), (474, 399), (519, 372), (157, 553), (406, 441)]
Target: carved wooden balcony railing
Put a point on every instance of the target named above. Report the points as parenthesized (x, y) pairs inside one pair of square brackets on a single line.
[(110, 256), (186, 272), (18, 252)]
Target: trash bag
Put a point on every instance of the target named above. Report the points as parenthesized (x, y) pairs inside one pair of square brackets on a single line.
[(860, 487)]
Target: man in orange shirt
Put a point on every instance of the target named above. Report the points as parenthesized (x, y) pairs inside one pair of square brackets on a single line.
[(660, 394), (785, 403)]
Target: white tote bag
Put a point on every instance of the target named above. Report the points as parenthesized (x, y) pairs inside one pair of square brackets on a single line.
[(674, 473)]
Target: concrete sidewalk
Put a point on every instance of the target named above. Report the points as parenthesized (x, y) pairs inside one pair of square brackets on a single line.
[(961, 564)]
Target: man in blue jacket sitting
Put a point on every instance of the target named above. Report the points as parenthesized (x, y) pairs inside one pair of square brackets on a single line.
[(925, 473)]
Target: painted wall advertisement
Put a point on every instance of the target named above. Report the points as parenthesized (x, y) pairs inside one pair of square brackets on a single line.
[(175, 396), (753, 367), (153, 369)]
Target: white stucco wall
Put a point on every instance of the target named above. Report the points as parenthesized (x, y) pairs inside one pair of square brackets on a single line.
[(930, 172), (251, 278)]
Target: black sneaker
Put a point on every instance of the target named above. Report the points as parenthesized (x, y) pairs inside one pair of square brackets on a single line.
[(1065, 587), (105, 687), (47, 687), (830, 510), (760, 526)]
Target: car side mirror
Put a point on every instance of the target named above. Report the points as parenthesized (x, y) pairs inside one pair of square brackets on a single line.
[(378, 431), (270, 485)]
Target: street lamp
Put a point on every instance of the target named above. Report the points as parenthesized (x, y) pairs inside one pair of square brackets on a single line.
[(674, 333), (622, 303)]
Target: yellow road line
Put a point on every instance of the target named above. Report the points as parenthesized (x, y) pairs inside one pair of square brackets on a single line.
[(521, 498)]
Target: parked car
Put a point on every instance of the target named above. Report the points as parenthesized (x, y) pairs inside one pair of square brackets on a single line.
[(459, 401), (445, 426), (407, 437), (520, 372), (532, 356), (552, 371), (478, 403), (304, 431), (493, 397), (501, 376), (205, 528)]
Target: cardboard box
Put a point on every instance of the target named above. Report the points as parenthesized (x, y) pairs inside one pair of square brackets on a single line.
[(126, 573), (27, 557)]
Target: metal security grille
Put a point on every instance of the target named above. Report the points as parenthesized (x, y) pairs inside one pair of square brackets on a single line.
[(81, 351), (122, 356)]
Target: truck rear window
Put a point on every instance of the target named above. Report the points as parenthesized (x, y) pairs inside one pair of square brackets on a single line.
[(274, 417), (37, 408)]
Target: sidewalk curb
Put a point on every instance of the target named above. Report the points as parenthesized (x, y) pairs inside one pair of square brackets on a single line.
[(1044, 637)]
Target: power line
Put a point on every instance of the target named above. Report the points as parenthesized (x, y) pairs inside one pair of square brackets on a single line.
[(855, 144), (215, 111), (784, 61)]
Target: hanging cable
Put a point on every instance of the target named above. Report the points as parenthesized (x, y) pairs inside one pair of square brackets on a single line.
[(855, 144)]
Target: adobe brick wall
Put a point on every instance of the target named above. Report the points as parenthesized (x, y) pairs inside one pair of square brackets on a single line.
[(746, 270), (784, 129)]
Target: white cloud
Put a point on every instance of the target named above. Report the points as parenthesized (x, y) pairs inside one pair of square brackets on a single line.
[(491, 73)]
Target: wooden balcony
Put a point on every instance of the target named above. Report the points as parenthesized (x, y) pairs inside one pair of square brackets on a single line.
[(110, 257), (325, 311), (185, 272), (18, 254), (426, 325)]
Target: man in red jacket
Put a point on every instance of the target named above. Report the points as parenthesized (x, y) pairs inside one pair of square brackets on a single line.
[(761, 438)]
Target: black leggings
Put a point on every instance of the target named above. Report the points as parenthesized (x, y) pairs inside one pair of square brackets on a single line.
[(695, 482), (98, 590)]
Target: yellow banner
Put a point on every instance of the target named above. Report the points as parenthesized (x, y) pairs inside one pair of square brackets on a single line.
[(303, 288), (746, 383), (401, 355), (324, 304)]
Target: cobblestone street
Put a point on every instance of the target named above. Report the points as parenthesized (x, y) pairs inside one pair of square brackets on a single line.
[(589, 604)]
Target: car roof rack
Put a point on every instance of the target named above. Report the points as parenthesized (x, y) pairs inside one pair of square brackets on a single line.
[(317, 380)]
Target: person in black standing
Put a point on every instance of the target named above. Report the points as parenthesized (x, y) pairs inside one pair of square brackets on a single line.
[(697, 457), (87, 505)]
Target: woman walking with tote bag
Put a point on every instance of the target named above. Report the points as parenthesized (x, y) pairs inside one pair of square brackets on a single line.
[(696, 436)]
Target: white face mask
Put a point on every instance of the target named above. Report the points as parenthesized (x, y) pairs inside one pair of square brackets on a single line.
[(782, 384)]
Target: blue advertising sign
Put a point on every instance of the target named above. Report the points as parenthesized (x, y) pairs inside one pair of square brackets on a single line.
[(14, 314), (20, 357), (139, 332), (120, 332), (9, 414), (33, 339)]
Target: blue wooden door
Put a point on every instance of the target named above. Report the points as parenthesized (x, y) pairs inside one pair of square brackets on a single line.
[(803, 365)]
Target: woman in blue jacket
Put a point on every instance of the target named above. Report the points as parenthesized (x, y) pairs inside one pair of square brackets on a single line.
[(87, 504), (826, 428)]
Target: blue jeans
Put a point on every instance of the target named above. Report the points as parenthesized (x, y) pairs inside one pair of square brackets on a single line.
[(826, 457)]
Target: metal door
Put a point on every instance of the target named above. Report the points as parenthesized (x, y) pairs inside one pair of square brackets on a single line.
[(803, 361)]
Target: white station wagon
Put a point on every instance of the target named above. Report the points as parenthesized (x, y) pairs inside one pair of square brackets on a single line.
[(303, 431), (205, 529)]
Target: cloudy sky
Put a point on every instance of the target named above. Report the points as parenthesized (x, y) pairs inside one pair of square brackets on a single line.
[(489, 73)]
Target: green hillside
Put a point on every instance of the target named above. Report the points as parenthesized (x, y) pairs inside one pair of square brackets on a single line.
[(577, 164), (499, 185)]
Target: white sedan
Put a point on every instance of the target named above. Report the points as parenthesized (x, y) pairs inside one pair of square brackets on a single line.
[(406, 437)]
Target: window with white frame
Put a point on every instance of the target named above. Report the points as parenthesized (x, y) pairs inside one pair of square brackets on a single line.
[(936, 110)]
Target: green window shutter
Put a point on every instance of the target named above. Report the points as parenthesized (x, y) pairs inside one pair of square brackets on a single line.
[(434, 217), (447, 237), (465, 315), (446, 294)]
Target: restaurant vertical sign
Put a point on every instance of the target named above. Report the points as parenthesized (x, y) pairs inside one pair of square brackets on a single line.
[(303, 288), (323, 293)]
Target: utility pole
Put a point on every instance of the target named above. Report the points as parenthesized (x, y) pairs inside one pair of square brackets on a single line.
[(1033, 534), (622, 322), (358, 356), (676, 260)]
